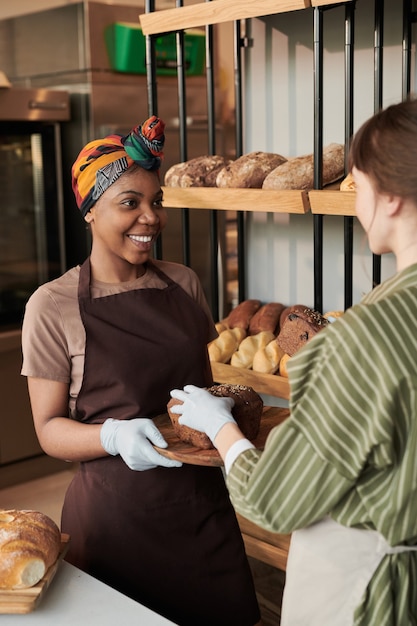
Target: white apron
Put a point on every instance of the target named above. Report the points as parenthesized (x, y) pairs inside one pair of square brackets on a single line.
[(328, 570)]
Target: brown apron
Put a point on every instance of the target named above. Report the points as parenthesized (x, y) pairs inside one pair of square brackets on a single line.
[(167, 537)]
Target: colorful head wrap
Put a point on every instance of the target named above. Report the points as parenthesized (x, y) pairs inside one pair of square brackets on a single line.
[(102, 161)]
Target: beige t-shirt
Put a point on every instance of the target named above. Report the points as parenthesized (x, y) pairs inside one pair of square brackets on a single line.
[(53, 335)]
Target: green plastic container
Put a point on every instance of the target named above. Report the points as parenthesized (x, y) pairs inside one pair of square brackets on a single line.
[(126, 49)]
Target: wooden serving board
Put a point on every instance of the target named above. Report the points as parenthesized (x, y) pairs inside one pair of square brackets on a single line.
[(186, 453), (26, 600)]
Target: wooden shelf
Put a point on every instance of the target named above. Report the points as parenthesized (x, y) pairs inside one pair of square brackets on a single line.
[(320, 3), (332, 202), (268, 384), (254, 200), (214, 12), (319, 201)]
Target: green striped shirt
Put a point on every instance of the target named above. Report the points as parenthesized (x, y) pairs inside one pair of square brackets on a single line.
[(349, 449)]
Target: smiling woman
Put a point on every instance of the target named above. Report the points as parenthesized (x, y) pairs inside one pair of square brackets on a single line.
[(103, 345)]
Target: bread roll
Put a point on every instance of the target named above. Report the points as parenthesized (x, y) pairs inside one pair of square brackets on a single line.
[(298, 172), (247, 349), (283, 365), (221, 349), (331, 315), (29, 544), (249, 170), (247, 412), (267, 359), (242, 314), (266, 318), (348, 184), (198, 172)]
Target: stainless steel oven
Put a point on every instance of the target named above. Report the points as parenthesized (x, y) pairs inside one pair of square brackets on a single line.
[(32, 248)]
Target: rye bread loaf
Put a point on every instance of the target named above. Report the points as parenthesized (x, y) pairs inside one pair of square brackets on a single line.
[(29, 544), (198, 172), (247, 412), (298, 172), (249, 170)]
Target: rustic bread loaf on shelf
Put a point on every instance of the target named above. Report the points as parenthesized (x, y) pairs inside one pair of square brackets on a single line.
[(198, 172), (298, 172), (249, 170), (247, 412), (29, 544)]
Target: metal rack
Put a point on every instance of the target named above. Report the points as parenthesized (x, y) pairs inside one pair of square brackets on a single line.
[(319, 201)]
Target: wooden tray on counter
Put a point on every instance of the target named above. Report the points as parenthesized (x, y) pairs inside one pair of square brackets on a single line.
[(186, 453), (26, 600)]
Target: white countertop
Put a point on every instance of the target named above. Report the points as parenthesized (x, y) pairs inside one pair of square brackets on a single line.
[(74, 597)]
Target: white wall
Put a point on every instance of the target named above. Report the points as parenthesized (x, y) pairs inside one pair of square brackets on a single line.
[(279, 118)]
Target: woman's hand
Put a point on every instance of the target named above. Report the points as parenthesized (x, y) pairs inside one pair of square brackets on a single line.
[(202, 410), (133, 440)]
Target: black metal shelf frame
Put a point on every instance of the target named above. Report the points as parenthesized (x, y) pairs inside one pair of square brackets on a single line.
[(409, 18)]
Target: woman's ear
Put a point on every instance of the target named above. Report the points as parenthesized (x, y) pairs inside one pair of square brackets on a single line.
[(392, 205), (88, 217)]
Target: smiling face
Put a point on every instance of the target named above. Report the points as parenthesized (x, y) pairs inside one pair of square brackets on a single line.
[(125, 223)]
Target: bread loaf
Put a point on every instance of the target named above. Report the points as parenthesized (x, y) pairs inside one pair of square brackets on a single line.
[(283, 365), (267, 359), (298, 172), (249, 170), (247, 349), (266, 318), (247, 412), (288, 310), (198, 172), (299, 327), (348, 184), (221, 349), (29, 544), (242, 314)]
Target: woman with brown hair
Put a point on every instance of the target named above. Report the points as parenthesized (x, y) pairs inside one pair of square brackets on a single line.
[(341, 473)]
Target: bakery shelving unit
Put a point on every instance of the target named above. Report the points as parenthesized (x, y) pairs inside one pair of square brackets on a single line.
[(262, 545)]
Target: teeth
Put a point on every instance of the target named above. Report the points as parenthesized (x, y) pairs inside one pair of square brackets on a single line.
[(141, 238)]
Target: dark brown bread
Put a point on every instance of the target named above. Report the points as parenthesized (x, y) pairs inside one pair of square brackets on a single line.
[(298, 328), (247, 412), (242, 314), (266, 318)]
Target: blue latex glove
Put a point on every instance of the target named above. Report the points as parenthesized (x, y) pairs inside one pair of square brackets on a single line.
[(132, 440), (202, 410)]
